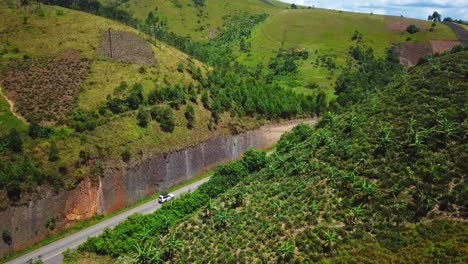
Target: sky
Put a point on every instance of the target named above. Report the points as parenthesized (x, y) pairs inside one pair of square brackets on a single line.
[(456, 9)]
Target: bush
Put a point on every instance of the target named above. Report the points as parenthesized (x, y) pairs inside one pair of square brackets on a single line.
[(167, 120), (143, 117), (38, 131), (15, 142), (412, 29), (190, 116)]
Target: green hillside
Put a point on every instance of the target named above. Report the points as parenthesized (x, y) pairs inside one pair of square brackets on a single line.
[(199, 22), (329, 33), (380, 180), (83, 101), (324, 34)]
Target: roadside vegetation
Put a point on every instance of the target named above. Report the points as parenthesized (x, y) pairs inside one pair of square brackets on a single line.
[(384, 171)]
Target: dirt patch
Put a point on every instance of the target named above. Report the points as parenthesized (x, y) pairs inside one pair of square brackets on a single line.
[(127, 47), (45, 89), (401, 24), (439, 46), (411, 53)]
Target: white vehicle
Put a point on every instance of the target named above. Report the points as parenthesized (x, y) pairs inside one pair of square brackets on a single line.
[(165, 197)]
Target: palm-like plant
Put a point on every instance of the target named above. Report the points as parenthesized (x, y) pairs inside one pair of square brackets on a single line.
[(285, 252), (222, 218), (330, 238), (172, 246), (146, 254)]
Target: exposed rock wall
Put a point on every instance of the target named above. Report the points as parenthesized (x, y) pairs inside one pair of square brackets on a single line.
[(121, 187)]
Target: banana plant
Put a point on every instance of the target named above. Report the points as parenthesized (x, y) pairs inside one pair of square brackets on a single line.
[(285, 252)]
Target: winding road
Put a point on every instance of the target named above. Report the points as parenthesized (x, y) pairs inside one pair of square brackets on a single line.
[(52, 253)]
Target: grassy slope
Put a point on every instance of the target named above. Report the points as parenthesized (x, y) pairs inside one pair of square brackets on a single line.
[(183, 20), (329, 32), (53, 33), (303, 197), (326, 31)]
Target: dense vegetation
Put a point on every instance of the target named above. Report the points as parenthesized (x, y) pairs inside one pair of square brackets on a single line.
[(383, 176), (241, 91)]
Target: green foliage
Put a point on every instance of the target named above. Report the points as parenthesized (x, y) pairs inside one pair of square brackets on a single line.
[(38, 131), (365, 183), (143, 117), (135, 236), (53, 152), (15, 142), (365, 76), (190, 116), (412, 29), (167, 120)]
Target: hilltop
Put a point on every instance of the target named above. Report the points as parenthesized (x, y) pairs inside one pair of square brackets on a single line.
[(373, 181)]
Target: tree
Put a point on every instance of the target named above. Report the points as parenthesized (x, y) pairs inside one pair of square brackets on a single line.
[(143, 117), (293, 6), (436, 17), (15, 142), (205, 100), (135, 98), (412, 29), (167, 120), (216, 110), (320, 103), (190, 116), (53, 152)]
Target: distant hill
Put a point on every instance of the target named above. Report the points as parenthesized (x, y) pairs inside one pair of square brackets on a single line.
[(325, 34)]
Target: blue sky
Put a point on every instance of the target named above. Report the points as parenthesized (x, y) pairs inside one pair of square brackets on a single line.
[(409, 8)]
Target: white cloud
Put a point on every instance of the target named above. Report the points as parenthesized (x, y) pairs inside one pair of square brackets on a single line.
[(410, 8)]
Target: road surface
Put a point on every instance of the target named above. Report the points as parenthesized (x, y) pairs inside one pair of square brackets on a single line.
[(52, 253)]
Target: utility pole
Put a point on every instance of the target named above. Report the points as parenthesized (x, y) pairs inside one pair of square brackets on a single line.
[(110, 43)]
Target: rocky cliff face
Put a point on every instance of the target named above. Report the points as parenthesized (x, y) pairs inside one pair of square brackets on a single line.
[(122, 187)]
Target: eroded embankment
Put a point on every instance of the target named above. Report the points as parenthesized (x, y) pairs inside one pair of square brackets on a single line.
[(122, 187)]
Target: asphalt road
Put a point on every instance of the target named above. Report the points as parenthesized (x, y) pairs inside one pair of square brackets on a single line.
[(52, 253)]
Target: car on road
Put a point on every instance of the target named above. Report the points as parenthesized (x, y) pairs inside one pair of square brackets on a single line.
[(165, 197)]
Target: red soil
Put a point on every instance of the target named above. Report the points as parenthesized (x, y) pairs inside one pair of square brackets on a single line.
[(411, 53), (439, 46)]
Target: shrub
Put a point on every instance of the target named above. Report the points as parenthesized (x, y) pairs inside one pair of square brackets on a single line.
[(167, 120), (412, 29), (38, 131), (143, 117), (15, 142), (190, 116)]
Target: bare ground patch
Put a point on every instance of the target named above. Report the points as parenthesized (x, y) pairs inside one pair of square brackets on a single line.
[(45, 89), (127, 47), (411, 53), (439, 46), (401, 24)]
